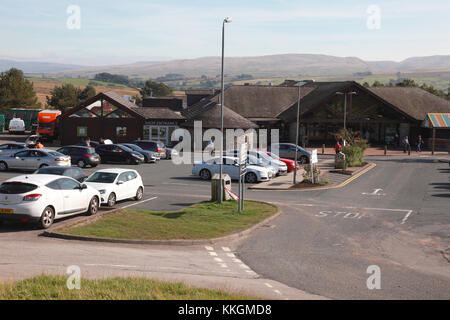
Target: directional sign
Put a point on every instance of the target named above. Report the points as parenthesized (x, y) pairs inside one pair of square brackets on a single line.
[(314, 158)]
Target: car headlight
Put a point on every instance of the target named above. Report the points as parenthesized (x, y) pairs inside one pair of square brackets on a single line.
[(103, 191)]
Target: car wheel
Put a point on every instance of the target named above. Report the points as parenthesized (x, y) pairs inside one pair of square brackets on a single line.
[(205, 174), (3, 166), (111, 199), (251, 178), (81, 164), (93, 206), (303, 160), (139, 194), (47, 218)]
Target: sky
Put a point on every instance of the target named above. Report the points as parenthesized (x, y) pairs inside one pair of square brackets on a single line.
[(121, 32)]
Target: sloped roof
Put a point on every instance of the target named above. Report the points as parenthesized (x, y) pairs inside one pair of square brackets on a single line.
[(413, 101), (318, 92), (437, 120), (110, 96), (209, 113), (158, 113), (261, 101)]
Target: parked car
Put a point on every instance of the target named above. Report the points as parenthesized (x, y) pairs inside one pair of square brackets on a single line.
[(42, 198), (118, 154), (16, 126), (81, 156), (252, 160), (281, 168), (287, 150), (7, 149), (72, 172), (289, 163), (32, 159), (149, 156), (152, 146), (93, 144), (117, 184), (207, 169)]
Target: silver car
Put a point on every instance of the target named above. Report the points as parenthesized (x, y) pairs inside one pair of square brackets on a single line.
[(287, 150), (32, 159), (8, 149)]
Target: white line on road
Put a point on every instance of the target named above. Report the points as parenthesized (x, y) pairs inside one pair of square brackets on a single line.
[(209, 248), (226, 249), (218, 260), (406, 216), (212, 253), (231, 255), (268, 285), (133, 204)]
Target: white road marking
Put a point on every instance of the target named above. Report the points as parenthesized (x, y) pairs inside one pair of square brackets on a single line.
[(212, 253), (237, 260), (223, 265), (139, 202), (226, 249), (376, 192), (243, 266), (231, 255), (406, 216), (218, 260), (268, 285), (277, 292), (209, 248)]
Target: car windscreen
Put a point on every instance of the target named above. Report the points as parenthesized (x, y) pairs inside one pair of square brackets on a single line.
[(102, 177), (273, 155), (16, 187), (57, 171), (134, 147), (125, 148), (47, 126)]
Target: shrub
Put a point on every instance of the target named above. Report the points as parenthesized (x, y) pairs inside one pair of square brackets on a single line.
[(354, 155)]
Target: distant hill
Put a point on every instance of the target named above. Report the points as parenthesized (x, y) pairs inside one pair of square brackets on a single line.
[(281, 65), (37, 67)]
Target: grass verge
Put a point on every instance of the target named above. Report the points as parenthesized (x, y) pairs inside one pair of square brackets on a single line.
[(204, 220), (46, 287)]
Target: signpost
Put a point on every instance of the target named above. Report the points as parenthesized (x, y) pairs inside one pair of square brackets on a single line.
[(242, 171), (312, 162)]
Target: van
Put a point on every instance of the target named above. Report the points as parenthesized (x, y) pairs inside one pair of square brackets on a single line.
[(16, 125)]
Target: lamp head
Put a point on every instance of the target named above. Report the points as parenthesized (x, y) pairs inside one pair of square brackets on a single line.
[(227, 20)]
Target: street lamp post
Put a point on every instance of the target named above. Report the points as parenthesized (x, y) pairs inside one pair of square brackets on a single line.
[(345, 110), (222, 97), (299, 85)]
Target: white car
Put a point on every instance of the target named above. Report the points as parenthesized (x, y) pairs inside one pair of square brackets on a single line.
[(231, 167), (116, 184), (252, 160), (42, 198), (16, 125), (267, 160)]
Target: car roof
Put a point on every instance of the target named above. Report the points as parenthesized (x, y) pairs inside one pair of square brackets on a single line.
[(16, 143), (39, 179), (115, 170), (59, 167)]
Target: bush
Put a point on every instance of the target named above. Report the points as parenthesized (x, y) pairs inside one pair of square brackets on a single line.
[(307, 174), (354, 155)]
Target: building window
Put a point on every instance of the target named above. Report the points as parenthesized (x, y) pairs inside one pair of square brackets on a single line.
[(121, 131), (82, 131)]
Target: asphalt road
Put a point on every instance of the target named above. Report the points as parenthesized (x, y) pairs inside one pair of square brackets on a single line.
[(396, 217)]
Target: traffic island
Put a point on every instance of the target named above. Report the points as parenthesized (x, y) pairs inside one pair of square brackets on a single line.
[(49, 287), (205, 222)]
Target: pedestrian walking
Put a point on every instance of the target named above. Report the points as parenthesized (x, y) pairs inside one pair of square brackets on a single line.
[(419, 143), (405, 144), (338, 147)]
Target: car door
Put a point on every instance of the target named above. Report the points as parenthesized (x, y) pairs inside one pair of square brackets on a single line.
[(120, 154), (122, 187), (75, 199), (103, 152), (17, 161), (232, 169), (35, 159)]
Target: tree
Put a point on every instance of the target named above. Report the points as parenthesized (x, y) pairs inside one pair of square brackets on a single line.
[(406, 83), (377, 84), (68, 96), (155, 89), (16, 91)]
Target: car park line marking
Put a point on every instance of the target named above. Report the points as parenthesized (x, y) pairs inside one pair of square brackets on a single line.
[(268, 285), (277, 292), (226, 249), (209, 248), (223, 265), (139, 202), (406, 217), (231, 255), (237, 261), (218, 260), (243, 266), (212, 253)]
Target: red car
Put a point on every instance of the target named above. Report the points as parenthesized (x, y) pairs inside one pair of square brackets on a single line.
[(289, 163)]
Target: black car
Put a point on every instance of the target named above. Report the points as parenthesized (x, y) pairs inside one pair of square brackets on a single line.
[(148, 155), (118, 154), (81, 155), (73, 172), (158, 147)]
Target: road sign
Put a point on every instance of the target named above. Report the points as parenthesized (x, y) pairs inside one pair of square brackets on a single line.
[(314, 158)]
